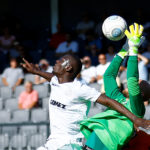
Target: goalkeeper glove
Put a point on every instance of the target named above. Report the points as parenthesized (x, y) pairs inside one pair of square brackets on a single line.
[(135, 38)]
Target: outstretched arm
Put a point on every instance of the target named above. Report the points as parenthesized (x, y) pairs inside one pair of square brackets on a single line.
[(135, 40), (138, 122), (36, 70)]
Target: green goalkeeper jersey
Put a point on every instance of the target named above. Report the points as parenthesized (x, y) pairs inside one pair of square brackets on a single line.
[(112, 128)]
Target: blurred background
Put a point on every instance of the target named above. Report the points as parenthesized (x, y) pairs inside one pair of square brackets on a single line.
[(44, 30)]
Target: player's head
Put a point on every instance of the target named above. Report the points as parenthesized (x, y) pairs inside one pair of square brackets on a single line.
[(145, 90), (68, 65)]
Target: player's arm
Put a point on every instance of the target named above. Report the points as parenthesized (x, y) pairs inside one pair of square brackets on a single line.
[(134, 40), (113, 104), (35, 70)]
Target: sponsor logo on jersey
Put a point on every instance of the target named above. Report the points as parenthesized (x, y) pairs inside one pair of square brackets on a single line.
[(58, 104)]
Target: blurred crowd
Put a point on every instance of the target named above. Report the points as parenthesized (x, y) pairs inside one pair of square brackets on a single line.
[(43, 49)]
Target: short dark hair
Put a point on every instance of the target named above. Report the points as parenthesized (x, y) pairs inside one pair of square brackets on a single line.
[(77, 69)]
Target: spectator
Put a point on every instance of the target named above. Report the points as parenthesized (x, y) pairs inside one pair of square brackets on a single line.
[(6, 41), (101, 68), (85, 25), (57, 37), (69, 46), (12, 76), (89, 72), (147, 55), (92, 39), (110, 53), (143, 72), (79, 78), (28, 98), (44, 65), (94, 51)]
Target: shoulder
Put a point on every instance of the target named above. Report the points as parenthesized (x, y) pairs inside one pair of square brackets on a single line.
[(34, 92), (19, 70), (54, 79)]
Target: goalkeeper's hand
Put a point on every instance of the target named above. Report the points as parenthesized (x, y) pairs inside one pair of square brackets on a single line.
[(135, 38)]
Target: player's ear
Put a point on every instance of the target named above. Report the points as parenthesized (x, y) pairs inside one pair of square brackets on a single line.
[(68, 68)]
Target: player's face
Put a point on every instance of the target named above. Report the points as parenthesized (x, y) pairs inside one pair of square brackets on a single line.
[(60, 65)]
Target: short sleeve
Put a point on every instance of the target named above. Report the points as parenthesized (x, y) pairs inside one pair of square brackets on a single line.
[(88, 93), (5, 73)]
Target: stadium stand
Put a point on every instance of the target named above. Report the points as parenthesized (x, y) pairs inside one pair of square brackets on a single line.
[(37, 140), (4, 141), (6, 92), (11, 104), (29, 77), (5, 116), (18, 142), (39, 115), (20, 116), (28, 130), (45, 103)]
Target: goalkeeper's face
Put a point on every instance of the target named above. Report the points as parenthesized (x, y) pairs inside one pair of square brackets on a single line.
[(145, 90)]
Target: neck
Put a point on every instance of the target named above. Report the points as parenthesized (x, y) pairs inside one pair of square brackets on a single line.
[(64, 79)]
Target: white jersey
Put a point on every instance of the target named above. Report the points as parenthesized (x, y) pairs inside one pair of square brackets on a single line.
[(68, 105)]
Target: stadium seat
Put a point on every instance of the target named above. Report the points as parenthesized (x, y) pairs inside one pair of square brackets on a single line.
[(4, 141), (29, 77), (5, 116), (43, 129), (18, 90), (28, 130), (10, 130), (37, 140), (42, 90), (18, 141), (20, 116), (1, 83), (39, 115), (11, 104), (147, 113), (45, 103), (5, 92), (1, 104)]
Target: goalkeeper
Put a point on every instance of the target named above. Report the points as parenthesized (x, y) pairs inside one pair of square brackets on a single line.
[(110, 130)]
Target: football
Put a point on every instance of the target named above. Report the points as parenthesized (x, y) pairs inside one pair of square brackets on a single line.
[(113, 27)]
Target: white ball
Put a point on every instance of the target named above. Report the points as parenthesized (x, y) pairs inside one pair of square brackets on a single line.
[(113, 28)]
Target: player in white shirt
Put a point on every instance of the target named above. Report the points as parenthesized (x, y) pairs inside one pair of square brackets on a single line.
[(69, 103)]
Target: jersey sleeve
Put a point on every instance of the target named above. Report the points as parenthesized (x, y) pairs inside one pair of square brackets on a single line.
[(5, 73), (88, 93)]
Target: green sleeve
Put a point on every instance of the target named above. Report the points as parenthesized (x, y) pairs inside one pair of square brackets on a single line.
[(110, 84), (136, 102)]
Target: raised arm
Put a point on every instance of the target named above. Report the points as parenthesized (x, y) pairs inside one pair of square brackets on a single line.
[(113, 104), (36, 70)]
